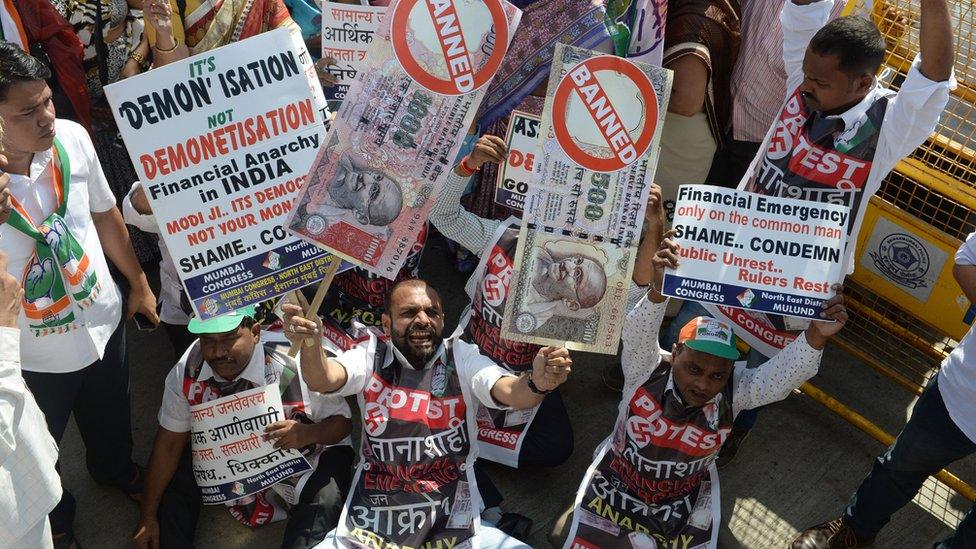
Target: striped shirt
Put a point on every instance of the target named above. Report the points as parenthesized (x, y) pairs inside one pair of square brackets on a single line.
[(759, 76)]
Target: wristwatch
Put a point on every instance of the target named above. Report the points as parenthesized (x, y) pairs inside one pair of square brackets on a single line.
[(535, 388)]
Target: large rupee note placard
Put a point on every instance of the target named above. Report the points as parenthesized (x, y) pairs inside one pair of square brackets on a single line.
[(583, 214), (400, 127), (222, 142)]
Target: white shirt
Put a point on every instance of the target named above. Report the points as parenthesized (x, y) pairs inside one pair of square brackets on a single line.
[(957, 377), (29, 485), (88, 193), (911, 117), (169, 280), (174, 411)]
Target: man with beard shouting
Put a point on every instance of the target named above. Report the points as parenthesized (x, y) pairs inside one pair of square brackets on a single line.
[(418, 394)]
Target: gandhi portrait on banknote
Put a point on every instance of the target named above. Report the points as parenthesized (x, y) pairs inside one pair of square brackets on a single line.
[(569, 278), (373, 197)]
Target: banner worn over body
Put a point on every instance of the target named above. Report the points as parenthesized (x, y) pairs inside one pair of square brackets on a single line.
[(400, 127), (347, 31), (756, 252), (231, 459), (222, 142), (584, 211), (523, 160)]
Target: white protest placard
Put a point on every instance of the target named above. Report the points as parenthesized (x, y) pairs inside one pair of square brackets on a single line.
[(523, 160), (222, 142), (756, 252), (231, 458), (347, 31)]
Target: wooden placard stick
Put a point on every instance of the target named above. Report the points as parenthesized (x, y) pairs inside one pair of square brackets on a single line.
[(311, 310)]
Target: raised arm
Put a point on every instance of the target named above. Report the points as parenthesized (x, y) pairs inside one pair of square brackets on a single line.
[(550, 369), (164, 29), (935, 37), (641, 350), (799, 361), (801, 19), (914, 113), (467, 229), (653, 234), (321, 374)]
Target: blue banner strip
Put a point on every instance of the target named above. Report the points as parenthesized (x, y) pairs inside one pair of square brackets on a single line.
[(742, 297), (258, 278), (235, 490)]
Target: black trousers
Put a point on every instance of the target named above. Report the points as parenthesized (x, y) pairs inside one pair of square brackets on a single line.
[(315, 515), (179, 337), (731, 162), (549, 440), (548, 443), (98, 395)]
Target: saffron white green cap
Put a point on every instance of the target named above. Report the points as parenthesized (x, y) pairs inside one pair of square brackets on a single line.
[(711, 336)]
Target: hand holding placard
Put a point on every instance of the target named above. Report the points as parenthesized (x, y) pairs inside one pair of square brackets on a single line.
[(761, 253)]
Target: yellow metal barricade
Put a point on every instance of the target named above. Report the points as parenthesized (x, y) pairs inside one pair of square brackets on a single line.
[(907, 311)]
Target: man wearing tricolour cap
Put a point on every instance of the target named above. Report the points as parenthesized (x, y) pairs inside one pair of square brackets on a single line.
[(233, 355), (653, 482)]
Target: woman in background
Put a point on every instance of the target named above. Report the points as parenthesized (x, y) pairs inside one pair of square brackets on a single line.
[(115, 47)]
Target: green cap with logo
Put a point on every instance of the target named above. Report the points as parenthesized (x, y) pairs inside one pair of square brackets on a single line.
[(711, 336), (223, 323)]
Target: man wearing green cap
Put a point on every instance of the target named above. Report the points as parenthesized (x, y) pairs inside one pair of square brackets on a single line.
[(653, 482), (233, 355)]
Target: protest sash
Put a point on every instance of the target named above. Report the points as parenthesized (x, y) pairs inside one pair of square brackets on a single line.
[(808, 156), (59, 271), (413, 486), (501, 433), (654, 482)]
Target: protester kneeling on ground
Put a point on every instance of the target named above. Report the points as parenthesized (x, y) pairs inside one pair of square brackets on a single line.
[(655, 475), (233, 355), (418, 393)]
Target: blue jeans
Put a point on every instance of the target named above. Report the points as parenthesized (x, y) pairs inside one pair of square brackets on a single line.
[(929, 442), (690, 310)]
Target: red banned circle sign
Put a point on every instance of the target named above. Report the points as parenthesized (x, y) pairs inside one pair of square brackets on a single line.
[(462, 75), (583, 81)]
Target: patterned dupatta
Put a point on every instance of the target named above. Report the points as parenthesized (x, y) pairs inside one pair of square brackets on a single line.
[(59, 265), (220, 22)]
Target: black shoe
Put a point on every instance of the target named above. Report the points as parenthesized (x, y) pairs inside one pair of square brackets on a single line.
[(613, 377), (731, 447), (833, 534), (516, 525)]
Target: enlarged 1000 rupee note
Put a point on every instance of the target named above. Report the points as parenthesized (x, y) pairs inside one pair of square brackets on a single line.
[(583, 213), (399, 128)]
